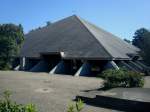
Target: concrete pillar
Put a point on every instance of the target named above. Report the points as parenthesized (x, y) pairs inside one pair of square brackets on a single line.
[(127, 65), (42, 66), (135, 66), (141, 64), (17, 68), (111, 65), (84, 70), (25, 64), (60, 68), (22, 63)]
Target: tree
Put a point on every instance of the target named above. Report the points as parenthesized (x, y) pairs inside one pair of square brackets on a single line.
[(48, 23), (11, 38), (141, 39), (6, 52), (139, 36), (145, 49)]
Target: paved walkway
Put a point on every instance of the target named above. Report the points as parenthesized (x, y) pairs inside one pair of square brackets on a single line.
[(147, 82), (50, 93)]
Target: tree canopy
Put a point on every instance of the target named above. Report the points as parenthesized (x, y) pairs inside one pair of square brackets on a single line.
[(11, 38), (138, 37), (48, 23), (141, 39)]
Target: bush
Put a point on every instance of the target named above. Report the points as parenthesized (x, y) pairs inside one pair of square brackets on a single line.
[(122, 78), (77, 107), (7, 105), (134, 79)]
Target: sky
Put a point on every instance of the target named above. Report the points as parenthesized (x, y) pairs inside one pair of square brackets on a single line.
[(120, 17)]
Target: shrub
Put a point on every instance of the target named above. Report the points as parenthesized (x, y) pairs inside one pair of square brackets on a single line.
[(77, 107), (122, 78), (7, 105), (134, 79)]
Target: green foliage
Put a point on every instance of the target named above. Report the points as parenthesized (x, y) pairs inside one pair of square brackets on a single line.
[(141, 39), (122, 78), (134, 79), (7, 105), (30, 108), (77, 107), (138, 37), (6, 52), (48, 23), (11, 38), (71, 108), (146, 48)]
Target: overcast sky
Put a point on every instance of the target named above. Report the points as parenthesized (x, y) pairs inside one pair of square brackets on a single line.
[(120, 17)]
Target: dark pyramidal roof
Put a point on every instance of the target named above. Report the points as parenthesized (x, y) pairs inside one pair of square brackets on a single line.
[(77, 38)]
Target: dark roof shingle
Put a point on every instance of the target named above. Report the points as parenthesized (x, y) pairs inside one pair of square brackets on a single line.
[(77, 38)]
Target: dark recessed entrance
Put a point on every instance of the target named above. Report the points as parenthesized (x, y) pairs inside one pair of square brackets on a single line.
[(51, 59)]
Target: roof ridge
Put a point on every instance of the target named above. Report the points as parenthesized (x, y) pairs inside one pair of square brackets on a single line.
[(81, 21)]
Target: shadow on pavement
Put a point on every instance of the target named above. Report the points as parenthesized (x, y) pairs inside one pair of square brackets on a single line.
[(98, 89), (116, 103)]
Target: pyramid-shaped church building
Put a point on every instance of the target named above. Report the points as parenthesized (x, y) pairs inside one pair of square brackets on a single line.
[(75, 46)]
